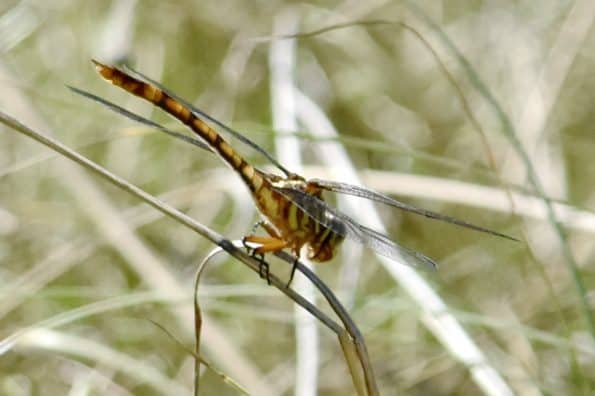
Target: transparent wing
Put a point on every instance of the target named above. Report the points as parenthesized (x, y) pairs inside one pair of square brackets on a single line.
[(361, 192), (344, 225), (135, 117)]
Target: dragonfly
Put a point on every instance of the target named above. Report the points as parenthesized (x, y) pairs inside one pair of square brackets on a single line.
[(294, 210)]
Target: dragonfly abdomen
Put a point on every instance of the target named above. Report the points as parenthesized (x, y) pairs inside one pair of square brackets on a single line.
[(172, 106)]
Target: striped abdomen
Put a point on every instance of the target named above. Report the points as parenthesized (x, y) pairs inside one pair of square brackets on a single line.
[(178, 110)]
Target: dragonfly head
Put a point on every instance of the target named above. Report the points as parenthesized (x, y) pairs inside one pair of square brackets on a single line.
[(325, 251)]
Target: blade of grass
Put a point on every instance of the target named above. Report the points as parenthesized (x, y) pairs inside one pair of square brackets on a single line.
[(510, 133), (82, 348), (282, 58)]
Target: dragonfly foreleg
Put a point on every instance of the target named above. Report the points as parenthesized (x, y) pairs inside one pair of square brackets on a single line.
[(245, 239), (249, 250), (294, 266), (267, 244), (263, 268), (252, 238), (256, 225)]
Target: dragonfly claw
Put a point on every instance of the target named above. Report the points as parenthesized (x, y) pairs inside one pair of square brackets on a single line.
[(256, 226), (249, 249), (293, 268), (263, 269)]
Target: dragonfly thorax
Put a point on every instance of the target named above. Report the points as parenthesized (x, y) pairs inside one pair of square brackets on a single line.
[(293, 181)]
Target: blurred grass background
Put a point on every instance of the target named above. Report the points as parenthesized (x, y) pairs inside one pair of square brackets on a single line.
[(74, 246)]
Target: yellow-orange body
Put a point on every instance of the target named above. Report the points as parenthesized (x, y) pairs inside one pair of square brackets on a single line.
[(289, 226)]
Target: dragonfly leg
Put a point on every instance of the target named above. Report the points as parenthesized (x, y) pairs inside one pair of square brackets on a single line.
[(252, 238), (267, 244), (267, 227), (293, 268), (256, 225), (263, 268), (245, 241)]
